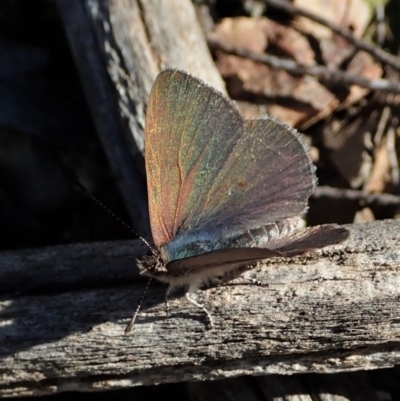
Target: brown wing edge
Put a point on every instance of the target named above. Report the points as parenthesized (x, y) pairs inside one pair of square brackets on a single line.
[(312, 238), (302, 242), (223, 257)]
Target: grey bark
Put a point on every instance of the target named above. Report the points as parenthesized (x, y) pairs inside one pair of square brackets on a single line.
[(63, 311)]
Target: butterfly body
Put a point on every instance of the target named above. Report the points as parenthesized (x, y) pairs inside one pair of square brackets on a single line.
[(223, 192), (183, 248)]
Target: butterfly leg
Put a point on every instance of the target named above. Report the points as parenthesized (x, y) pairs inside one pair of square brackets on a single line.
[(169, 289), (210, 323)]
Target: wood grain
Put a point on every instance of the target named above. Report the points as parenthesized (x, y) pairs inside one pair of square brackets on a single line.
[(63, 311)]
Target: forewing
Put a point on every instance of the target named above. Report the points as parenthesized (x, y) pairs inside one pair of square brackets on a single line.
[(191, 129)]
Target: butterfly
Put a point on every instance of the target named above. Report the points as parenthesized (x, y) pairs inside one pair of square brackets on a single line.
[(224, 192)]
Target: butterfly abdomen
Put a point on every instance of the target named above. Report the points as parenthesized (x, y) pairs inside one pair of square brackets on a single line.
[(260, 237)]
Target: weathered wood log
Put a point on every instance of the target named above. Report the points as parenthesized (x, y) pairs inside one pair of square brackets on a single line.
[(119, 46), (63, 311)]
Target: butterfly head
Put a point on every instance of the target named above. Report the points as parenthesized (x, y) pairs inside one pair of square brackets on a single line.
[(153, 265)]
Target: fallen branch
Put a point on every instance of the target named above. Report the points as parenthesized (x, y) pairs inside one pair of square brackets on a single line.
[(365, 199), (379, 54), (62, 325)]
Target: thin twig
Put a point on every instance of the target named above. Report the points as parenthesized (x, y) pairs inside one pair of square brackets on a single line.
[(355, 195), (386, 112), (375, 51), (394, 163), (333, 76)]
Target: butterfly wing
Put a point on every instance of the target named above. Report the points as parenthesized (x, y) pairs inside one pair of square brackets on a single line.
[(183, 149), (210, 172), (267, 178), (226, 260), (310, 239), (221, 261)]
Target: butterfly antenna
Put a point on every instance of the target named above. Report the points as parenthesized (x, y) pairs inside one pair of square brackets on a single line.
[(134, 316), (87, 192)]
